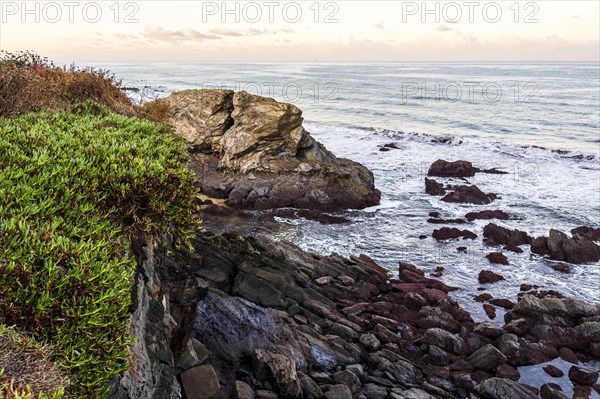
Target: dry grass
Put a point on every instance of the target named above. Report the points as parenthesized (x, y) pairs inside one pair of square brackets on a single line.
[(28, 367), (29, 83), (157, 111)]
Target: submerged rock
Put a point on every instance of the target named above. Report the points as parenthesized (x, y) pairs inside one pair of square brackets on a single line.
[(254, 152)]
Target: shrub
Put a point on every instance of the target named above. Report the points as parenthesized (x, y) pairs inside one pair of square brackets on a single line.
[(156, 111), (29, 83), (75, 188)]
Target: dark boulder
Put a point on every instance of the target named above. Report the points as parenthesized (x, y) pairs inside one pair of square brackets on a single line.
[(539, 246), (510, 239), (583, 376), (501, 388), (443, 168), (446, 221), (488, 276), (469, 195), (448, 233), (487, 215), (498, 258), (434, 188), (589, 233), (559, 246)]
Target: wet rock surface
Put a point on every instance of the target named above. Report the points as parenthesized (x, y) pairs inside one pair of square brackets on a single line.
[(264, 319), (448, 233), (253, 152), (577, 249), (469, 195)]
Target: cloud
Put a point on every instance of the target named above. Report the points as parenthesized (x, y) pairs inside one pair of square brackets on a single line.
[(257, 32), (444, 28), (379, 25), (222, 31), (157, 32), (122, 36), (576, 16)]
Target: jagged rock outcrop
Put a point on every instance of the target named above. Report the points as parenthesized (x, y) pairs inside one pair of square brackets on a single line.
[(254, 152), (242, 316), (577, 249)]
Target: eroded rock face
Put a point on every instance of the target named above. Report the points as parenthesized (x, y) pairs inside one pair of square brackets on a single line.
[(254, 152), (201, 117)]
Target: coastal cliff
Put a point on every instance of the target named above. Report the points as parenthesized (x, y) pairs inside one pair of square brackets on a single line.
[(139, 291)]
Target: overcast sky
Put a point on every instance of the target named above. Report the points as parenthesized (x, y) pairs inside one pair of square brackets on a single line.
[(303, 30)]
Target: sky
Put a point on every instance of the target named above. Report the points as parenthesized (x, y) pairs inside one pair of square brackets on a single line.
[(303, 30)]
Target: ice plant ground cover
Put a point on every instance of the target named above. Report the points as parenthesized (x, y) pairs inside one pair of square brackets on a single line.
[(76, 187)]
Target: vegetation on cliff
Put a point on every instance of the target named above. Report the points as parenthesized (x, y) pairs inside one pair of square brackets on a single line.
[(77, 184)]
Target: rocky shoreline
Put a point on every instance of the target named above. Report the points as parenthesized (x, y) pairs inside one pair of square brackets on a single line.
[(248, 317)]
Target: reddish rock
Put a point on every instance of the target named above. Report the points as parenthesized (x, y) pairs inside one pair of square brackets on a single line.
[(498, 258), (488, 277), (583, 376), (490, 311), (503, 303), (446, 221), (408, 287), (506, 371), (568, 355), (510, 239), (486, 215), (321, 217), (552, 391), (553, 371), (448, 233), (539, 246), (483, 297), (581, 392)]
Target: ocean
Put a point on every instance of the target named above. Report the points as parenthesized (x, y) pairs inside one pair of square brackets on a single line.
[(539, 122)]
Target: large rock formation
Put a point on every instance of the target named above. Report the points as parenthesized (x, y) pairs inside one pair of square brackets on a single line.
[(254, 152)]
